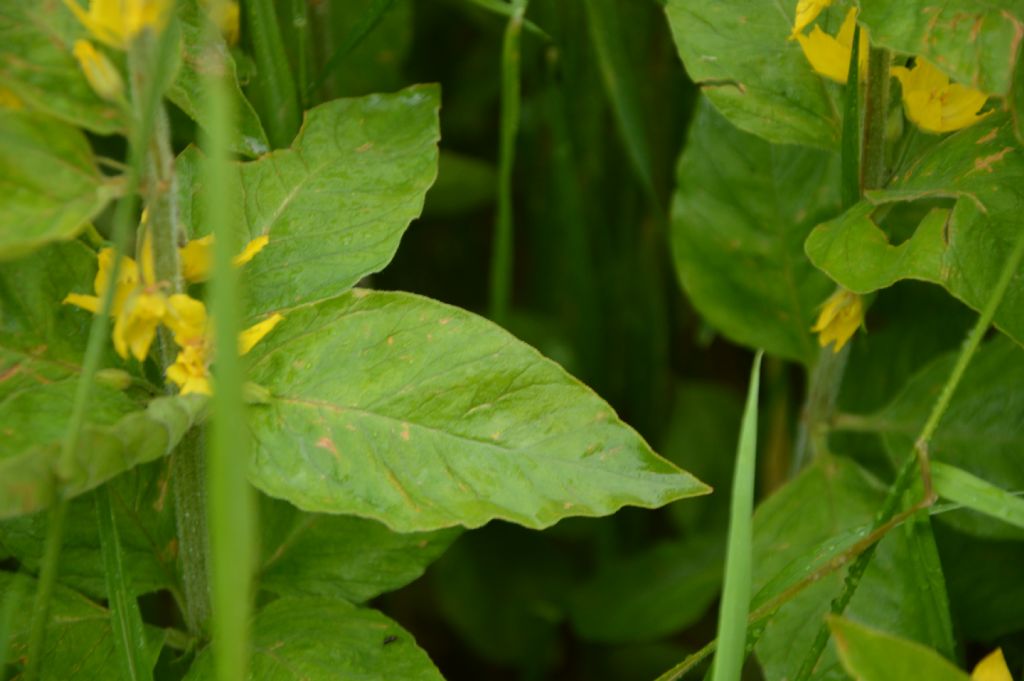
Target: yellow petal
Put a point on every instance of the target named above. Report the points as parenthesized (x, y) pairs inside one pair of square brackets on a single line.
[(146, 256), (806, 12), (186, 318), (250, 250), (840, 317), (826, 55), (103, 76), (255, 333), (136, 324), (117, 22), (90, 303), (935, 105), (190, 372), (960, 107), (196, 259), (127, 278), (924, 110), (992, 668)]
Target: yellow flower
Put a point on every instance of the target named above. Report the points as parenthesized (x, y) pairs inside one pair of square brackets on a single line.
[(197, 257), (225, 16), (103, 76), (830, 56), (191, 369), (186, 318), (117, 22), (127, 280), (806, 12), (992, 668), (136, 324), (840, 317), (935, 105)]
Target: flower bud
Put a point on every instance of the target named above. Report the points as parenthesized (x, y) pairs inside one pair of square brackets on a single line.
[(99, 71)]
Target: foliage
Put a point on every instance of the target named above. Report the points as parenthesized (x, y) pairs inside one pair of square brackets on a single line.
[(320, 458)]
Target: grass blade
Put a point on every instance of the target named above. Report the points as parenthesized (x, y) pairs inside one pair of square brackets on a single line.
[(371, 17), (506, 10), (126, 621), (230, 503), (732, 614), (971, 491), (621, 88), (502, 253)]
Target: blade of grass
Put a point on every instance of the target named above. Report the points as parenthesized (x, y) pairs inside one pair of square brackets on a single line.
[(502, 251), (971, 491), (371, 17), (850, 152), (148, 67), (279, 104), (621, 88), (735, 606), (126, 621), (230, 504)]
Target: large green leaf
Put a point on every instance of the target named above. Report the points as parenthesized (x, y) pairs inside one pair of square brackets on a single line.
[(336, 203), (247, 135), (143, 503), (312, 554), (873, 655), (981, 430), (50, 186), (79, 639), (296, 639), (36, 65), (420, 415), (739, 52), (802, 524), (975, 42), (960, 249), (742, 210), (41, 346)]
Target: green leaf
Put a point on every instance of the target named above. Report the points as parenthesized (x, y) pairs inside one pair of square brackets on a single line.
[(742, 210), (41, 346), (649, 595), (816, 515), (873, 655), (143, 504), (297, 639), (741, 55), (962, 250), (367, 382), (37, 66), (335, 204), (307, 554), (960, 486), (980, 432), (186, 91), (50, 187), (79, 639), (976, 43)]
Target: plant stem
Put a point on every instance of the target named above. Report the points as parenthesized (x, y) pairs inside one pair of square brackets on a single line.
[(278, 98), (904, 478), (188, 471), (146, 94), (876, 109), (502, 251), (822, 392)]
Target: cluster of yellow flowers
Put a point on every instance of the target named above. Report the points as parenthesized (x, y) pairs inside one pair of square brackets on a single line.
[(116, 23), (931, 102), (140, 305)]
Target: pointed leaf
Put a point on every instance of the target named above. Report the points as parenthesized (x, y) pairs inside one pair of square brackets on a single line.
[(873, 655), (319, 640), (335, 204), (741, 212), (420, 415)]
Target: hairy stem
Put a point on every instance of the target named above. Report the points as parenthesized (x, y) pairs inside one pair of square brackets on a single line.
[(188, 471)]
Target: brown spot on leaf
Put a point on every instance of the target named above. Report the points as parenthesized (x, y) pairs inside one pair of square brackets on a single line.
[(328, 444), (391, 340), (364, 147), (443, 321), (985, 163), (991, 135), (9, 373), (405, 432)]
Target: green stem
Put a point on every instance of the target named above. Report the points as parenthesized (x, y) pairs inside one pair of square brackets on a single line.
[(502, 252), (876, 110), (188, 471), (147, 93), (904, 478), (822, 392)]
